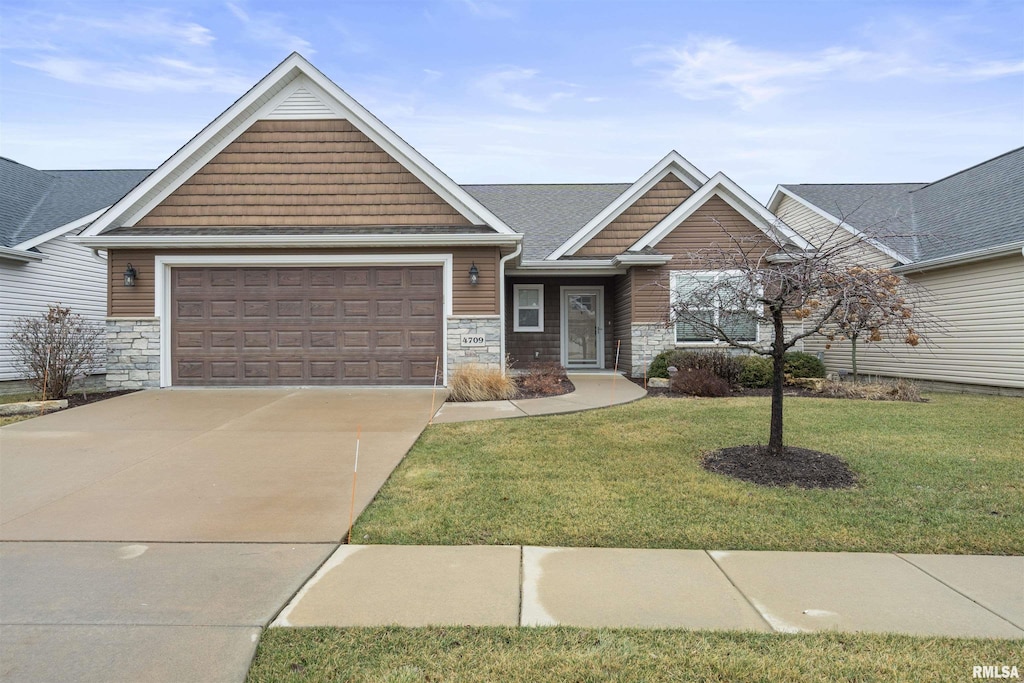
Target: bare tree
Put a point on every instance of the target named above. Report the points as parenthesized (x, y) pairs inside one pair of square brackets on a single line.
[(56, 348), (734, 289)]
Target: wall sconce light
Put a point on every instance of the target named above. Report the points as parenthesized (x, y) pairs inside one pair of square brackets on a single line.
[(474, 274), (129, 276)]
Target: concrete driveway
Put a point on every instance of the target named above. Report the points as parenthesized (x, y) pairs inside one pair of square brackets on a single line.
[(152, 536)]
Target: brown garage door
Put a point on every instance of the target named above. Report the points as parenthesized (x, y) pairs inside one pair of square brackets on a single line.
[(292, 326)]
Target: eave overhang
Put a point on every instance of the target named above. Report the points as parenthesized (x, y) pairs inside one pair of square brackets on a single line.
[(113, 241)]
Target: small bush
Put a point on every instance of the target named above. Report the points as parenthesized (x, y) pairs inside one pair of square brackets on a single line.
[(756, 372), (725, 365), (543, 378), (474, 382), (800, 365), (700, 382), (900, 390), (55, 349)]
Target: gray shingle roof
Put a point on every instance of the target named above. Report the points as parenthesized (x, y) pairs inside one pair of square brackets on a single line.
[(979, 207), (33, 202), (547, 215)]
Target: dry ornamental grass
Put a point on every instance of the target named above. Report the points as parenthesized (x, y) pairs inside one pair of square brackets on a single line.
[(474, 382)]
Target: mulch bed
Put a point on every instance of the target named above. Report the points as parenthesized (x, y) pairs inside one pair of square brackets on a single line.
[(740, 392), (563, 386), (75, 400), (800, 467)]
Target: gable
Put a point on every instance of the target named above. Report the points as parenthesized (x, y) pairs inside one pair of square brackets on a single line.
[(714, 224), (638, 219), (303, 172)]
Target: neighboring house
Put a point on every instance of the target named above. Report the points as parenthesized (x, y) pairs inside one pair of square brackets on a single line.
[(40, 213), (961, 238), (298, 240)]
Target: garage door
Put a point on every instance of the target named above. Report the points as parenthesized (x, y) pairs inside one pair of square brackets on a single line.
[(294, 326)]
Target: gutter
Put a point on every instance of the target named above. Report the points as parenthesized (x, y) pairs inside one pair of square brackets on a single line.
[(502, 322), (298, 241), (582, 267), (9, 254), (963, 258)]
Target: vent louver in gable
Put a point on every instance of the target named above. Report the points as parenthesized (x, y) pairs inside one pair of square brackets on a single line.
[(302, 104)]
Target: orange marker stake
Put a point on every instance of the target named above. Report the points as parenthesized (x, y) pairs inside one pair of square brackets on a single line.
[(615, 370), (355, 473), (46, 377), (437, 362)]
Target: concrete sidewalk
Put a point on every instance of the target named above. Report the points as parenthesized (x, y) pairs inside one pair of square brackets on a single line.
[(787, 592), (593, 390)]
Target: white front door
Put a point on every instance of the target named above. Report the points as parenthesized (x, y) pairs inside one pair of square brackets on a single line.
[(582, 327)]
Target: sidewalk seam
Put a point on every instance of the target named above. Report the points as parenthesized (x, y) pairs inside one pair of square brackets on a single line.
[(958, 592), (740, 591)]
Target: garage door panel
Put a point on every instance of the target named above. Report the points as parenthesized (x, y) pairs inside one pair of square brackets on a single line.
[(336, 325)]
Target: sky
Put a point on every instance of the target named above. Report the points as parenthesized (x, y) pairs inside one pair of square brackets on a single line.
[(540, 91)]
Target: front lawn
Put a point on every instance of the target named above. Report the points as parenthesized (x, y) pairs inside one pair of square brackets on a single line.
[(945, 476), (570, 654)]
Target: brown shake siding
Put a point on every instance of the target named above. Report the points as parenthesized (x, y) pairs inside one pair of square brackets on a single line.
[(712, 224), (621, 306), (306, 173), (138, 301), (522, 346), (638, 219)]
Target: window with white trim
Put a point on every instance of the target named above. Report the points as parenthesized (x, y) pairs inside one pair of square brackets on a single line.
[(528, 307), (738, 322)]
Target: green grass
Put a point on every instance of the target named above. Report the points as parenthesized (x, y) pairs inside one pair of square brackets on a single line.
[(945, 476), (400, 655), (19, 398)]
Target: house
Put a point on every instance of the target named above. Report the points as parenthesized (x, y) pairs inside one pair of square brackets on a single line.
[(40, 264), (961, 239), (298, 240)]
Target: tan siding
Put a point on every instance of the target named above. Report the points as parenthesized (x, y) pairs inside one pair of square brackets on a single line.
[(638, 219), (303, 172), (820, 231), (981, 341), (710, 225), (138, 301)]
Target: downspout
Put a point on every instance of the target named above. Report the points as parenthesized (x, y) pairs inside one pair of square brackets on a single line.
[(501, 298)]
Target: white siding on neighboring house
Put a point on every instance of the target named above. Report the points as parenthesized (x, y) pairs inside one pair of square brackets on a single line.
[(980, 307), (819, 230), (68, 274)]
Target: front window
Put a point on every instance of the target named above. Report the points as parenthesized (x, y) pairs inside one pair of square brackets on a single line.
[(528, 302), (716, 308)]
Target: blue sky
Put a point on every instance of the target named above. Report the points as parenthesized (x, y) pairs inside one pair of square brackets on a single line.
[(547, 91)]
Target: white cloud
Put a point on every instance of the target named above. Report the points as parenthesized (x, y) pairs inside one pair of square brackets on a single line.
[(707, 68), (509, 86), (155, 75), (487, 9), (266, 28), (154, 24)]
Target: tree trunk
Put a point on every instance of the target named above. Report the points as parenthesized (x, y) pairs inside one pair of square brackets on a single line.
[(778, 379), (853, 356)]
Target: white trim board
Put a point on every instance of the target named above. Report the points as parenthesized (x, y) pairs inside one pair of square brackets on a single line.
[(260, 102), (164, 263), (672, 163)]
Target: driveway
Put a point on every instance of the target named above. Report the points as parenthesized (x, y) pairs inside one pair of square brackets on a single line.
[(152, 536)]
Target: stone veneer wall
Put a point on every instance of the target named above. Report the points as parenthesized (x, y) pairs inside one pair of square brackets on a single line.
[(133, 353), (487, 326)]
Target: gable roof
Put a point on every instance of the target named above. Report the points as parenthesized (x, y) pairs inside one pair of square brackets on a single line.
[(293, 89), (721, 185), (672, 163), (34, 202), (974, 209), (549, 214)]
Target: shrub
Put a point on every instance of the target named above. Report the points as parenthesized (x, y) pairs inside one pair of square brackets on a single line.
[(55, 349), (727, 366), (800, 364), (543, 378), (699, 382), (756, 372), (474, 382)]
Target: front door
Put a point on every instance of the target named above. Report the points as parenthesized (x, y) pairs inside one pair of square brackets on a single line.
[(582, 327)]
